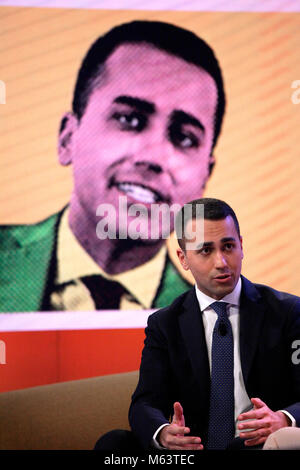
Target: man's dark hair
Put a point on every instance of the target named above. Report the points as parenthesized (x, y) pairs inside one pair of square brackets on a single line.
[(170, 38), (214, 209)]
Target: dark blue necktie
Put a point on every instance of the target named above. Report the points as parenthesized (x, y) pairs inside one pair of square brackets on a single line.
[(221, 410)]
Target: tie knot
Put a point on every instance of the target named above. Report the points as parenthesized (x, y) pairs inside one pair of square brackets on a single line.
[(220, 308)]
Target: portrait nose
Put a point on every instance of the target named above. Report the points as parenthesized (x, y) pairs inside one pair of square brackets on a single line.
[(149, 166)]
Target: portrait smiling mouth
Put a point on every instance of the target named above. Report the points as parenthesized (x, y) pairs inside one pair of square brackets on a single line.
[(139, 192)]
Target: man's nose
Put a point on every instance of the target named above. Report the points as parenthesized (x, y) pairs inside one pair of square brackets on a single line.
[(220, 260), (149, 166)]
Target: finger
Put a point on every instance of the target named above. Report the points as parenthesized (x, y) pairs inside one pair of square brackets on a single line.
[(257, 402), (178, 430), (185, 443), (186, 440), (257, 412), (255, 434), (187, 447), (255, 442), (253, 414), (178, 417), (174, 434), (254, 424), (179, 441)]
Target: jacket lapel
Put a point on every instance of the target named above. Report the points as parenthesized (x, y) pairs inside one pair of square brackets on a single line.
[(191, 324), (251, 319)]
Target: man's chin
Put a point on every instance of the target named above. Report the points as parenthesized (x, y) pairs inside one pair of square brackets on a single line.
[(221, 291), (227, 291)]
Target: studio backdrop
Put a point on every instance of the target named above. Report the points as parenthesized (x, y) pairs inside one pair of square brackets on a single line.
[(134, 133)]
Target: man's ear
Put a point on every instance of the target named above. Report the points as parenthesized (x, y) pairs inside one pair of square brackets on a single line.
[(182, 259), (68, 125), (211, 164)]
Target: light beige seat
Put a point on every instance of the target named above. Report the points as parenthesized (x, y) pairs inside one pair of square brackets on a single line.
[(73, 415), (283, 439), (68, 415)]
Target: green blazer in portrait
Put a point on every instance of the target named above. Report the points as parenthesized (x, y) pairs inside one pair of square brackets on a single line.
[(28, 267)]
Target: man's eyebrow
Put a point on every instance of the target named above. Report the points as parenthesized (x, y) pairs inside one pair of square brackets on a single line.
[(185, 118), (210, 244), (142, 105), (205, 245), (228, 239)]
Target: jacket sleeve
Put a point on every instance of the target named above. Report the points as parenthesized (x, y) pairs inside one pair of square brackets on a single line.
[(151, 404)]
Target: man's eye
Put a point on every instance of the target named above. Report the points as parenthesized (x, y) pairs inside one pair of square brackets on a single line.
[(130, 121), (228, 246), (205, 251)]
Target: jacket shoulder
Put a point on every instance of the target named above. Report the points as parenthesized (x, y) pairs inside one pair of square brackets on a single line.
[(275, 298), (25, 258), (13, 237), (265, 290), (171, 310)]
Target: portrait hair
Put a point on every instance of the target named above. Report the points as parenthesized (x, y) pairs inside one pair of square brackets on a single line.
[(167, 37)]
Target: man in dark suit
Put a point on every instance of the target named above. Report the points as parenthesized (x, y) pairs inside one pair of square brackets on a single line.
[(179, 374)]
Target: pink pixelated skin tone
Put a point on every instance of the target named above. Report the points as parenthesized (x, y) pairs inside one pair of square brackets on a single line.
[(147, 134)]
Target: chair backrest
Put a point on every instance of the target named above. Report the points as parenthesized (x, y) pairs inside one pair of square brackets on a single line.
[(68, 415)]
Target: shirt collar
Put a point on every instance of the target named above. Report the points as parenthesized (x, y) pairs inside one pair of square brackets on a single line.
[(74, 262), (233, 298)]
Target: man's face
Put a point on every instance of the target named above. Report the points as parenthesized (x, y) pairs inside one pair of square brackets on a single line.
[(216, 265), (146, 133)]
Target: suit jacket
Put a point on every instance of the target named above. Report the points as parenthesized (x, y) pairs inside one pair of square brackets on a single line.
[(28, 262), (175, 365)]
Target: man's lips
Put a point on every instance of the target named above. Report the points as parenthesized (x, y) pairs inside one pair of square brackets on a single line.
[(140, 192), (222, 278)]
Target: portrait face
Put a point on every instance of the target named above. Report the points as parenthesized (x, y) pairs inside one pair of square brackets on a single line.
[(216, 265), (146, 133)]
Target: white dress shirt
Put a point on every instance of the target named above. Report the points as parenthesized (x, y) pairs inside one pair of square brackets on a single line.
[(242, 401)]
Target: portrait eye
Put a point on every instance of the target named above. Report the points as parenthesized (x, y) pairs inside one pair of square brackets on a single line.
[(187, 142), (183, 138), (132, 121)]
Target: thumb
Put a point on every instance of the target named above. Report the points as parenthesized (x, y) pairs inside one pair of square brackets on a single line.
[(257, 402)]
